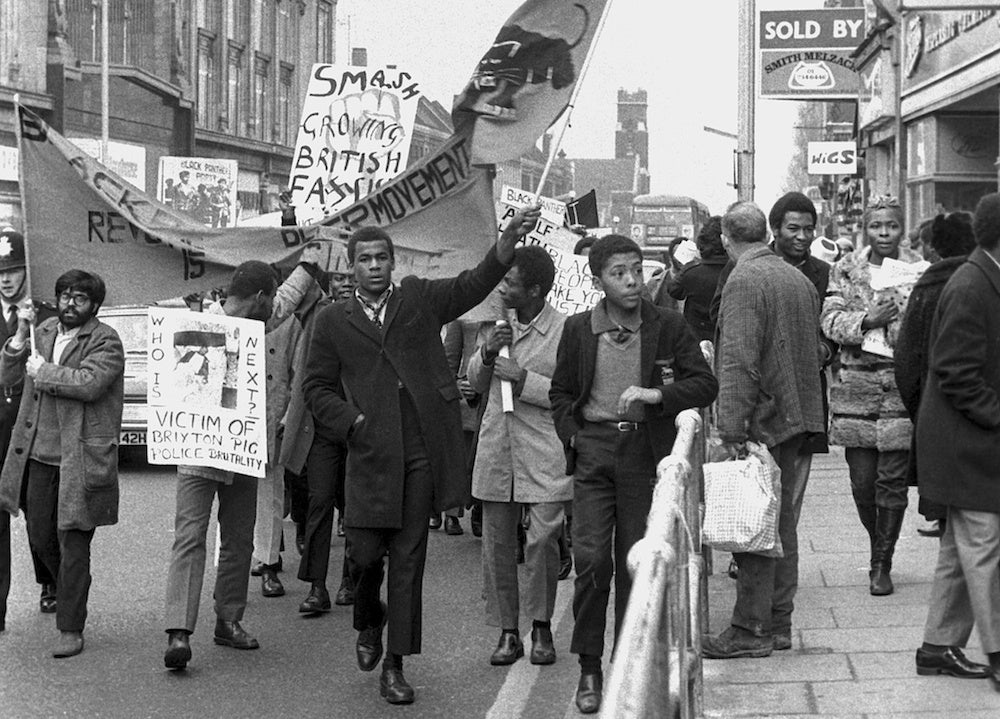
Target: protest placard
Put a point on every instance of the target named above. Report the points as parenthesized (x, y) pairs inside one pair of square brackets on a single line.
[(206, 391), (204, 188), (355, 133), (552, 210)]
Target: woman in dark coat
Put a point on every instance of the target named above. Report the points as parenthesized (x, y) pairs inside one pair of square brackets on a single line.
[(949, 244), (696, 283)]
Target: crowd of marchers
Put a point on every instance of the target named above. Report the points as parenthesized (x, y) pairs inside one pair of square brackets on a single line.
[(387, 406)]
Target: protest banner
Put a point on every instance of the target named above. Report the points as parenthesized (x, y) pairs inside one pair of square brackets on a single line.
[(552, 210), (204, 188), (206, 391), (355, 133), (526, 78), (573, 288), (79, 213)]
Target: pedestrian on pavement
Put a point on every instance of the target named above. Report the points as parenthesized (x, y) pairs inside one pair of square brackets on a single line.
[(958, 448), (64, 465), (868, 416), (695, 283), (624, 370), (252, 294), (949, 242), (520, 466), (768, 364), (13, 291), (401, 423)]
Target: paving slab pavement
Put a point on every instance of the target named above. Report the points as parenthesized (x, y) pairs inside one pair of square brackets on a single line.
[(852, 654)]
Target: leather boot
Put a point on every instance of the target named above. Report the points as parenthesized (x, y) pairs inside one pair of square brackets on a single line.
[(887, 526), (868, 514)]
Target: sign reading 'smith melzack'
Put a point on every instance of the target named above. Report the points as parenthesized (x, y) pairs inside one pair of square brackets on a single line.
[(357, 123), (206, 391)]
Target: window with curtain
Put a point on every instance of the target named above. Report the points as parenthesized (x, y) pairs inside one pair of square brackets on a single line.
[(324, 31), (207, 109)]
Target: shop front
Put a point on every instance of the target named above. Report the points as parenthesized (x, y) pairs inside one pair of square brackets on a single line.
[(950, 107)]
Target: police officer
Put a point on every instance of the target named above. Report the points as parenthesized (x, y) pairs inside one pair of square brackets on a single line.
[(13, 289)]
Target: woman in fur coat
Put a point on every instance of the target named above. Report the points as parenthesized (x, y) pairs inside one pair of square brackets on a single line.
[(868, 416)]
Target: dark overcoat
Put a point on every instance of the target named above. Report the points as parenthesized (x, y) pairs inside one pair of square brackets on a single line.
[(347, 348), (666, 343), (958, 422), (87, 387)]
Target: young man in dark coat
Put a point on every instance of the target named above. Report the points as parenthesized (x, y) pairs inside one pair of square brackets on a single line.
[(377, 378), (958, 452), (624, 370)]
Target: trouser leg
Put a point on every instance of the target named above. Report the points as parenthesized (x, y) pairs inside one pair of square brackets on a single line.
[(73, 581), (949, 612), (322, 466), (977, 536), (593, 526), (236, 515), (500, 520), (186, 574), (862, 464), (5, 569), (270, 510), (794, 468), (40, 513), (541, 559)]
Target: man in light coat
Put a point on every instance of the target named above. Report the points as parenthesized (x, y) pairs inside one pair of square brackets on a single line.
[(65, 442), (519, 461), (768, 364)]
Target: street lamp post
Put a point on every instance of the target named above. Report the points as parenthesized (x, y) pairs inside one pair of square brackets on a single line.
[(746, 91)]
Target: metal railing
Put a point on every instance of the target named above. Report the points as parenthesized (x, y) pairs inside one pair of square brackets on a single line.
[(657, 670)]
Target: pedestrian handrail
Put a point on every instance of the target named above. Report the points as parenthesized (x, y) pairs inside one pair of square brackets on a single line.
[(657, 669)]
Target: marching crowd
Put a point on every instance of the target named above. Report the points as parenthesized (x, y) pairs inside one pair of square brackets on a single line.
[(386, 405)]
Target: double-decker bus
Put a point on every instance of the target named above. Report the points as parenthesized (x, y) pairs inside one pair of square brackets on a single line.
[(658, 219)]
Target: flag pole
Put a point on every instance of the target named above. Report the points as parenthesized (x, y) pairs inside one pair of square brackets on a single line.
[(568, 112), (24, 215)]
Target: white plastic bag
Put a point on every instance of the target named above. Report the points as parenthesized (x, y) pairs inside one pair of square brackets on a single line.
[(742, 503)]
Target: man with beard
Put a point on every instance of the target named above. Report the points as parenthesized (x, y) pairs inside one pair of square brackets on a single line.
[(13, 289), (64, 458)]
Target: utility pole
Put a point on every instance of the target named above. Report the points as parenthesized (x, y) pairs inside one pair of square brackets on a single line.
[(746, 93), (105, 83)]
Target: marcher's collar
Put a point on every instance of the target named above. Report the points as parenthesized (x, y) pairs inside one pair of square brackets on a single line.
[(541, 322), (601, 322), (379, 302)]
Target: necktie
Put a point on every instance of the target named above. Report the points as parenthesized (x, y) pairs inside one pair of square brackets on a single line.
[(621, 335), (12, 320)]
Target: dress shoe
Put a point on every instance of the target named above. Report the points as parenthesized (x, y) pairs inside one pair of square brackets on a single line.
[(736, 642), (369, 646), (588, 692), (509, 649), (345, 595), (70, 644), (47, 602), (178, 652), (452, 526), (300, 538), (476, 521), (782, 641), (231, 634), (435, 521), (270, 585), (542, 649), (317, 602), (394, 687), (258, 567), (952, 662)]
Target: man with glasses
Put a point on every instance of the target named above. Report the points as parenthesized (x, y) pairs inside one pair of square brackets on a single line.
[(64, 451)]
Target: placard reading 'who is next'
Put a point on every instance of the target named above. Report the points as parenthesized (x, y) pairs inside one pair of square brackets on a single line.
[(205, 391)]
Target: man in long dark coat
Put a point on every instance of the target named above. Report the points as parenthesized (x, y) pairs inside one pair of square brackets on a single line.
[(401, 422)]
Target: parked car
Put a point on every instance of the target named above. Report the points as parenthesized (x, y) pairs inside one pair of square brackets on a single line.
[(131, 323)]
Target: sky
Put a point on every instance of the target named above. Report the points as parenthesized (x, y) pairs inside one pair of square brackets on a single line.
[(684, 54)]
